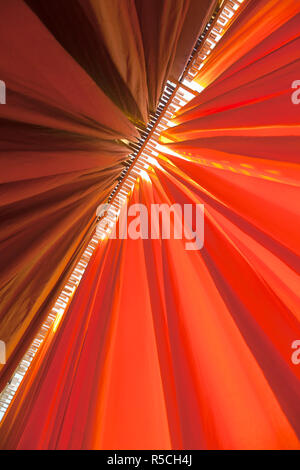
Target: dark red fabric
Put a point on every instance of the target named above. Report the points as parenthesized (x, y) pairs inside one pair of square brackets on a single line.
[(60, 157), (77, 74)]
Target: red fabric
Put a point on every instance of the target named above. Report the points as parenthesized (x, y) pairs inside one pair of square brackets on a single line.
[(167, 348), (59, 160), (77, 74), (258, 29), (128, 47)]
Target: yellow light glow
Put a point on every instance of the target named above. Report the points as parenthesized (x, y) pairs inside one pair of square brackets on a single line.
[(168, 151), (57, 321)]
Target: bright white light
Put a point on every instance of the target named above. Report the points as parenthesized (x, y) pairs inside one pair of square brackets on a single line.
[(193, 85), (144, 175), (170, 152), (152, 160)]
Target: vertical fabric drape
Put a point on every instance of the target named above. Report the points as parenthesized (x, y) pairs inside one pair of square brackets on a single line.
[(59, 158), (78, 73), (168, 348), (129, 47)]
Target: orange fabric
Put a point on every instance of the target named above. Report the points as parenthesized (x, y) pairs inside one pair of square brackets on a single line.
[(256, 22), (77, 72), (128, 47), (59, 159), (166, 348), (168, 29), (197, 17)]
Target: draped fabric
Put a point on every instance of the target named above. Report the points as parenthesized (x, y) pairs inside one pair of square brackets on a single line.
[(262, 40), (59, 156), (128, 47), (241, 134), (197, 17), (78, 73), (167, 348), (169, 30)]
